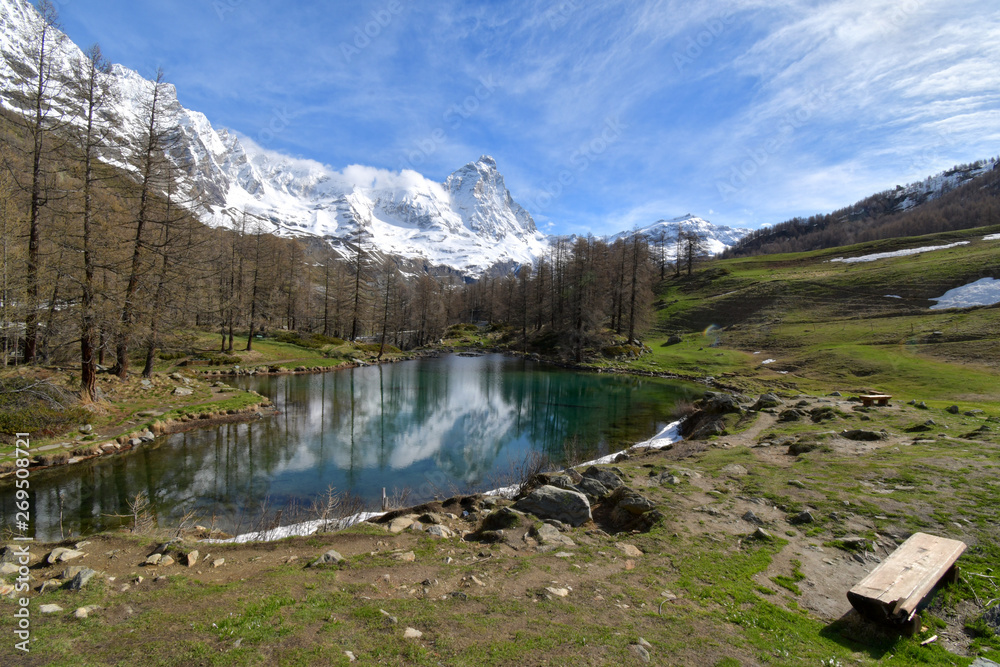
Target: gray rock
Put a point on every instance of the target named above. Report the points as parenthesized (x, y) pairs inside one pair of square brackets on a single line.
[(8, 555), (715, 403), (86, 428), (668, 478), (431, 518), (789, 416), (549, 502), (400, 523), (767, 401), (797, 484), (953, 409), (550, 535), (750, 517), (441, 531), (800, 518), (631, 501), (761, 534), (639, 651), (992, 618), (923, 406), (984, 662), (735, 470), (183, 391), (592, 488), (62, 554), (855, 543), (331, 557), (81, 579), (606, 477)]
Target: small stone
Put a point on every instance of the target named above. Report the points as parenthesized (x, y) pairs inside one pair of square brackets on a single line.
[(629, 549), (761, 534), (153, 559), (639, 651), (478, 582), (50, 608), (797, 484), (735, 470), (192, 558), (802, 517), (81, 579), (350, 656), (166, 560), (750, 517), (218, 562), (412, 633), (953, 409), (331, 557), (389, 617), (9, 568), (643, 643), (61, 555), (440, 531), (399, 524), (558, 592), (407, 557), (183, 391), (82, 612)]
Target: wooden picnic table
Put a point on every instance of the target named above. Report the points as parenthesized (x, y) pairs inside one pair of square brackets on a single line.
[(894, 589)]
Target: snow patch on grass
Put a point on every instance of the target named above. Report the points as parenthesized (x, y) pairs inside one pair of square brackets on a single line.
[(897, 253), (983, 292)]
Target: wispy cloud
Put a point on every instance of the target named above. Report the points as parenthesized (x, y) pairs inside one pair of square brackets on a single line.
[(757, 110)]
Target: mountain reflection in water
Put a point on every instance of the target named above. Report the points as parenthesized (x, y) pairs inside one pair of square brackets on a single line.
[(435, 426)]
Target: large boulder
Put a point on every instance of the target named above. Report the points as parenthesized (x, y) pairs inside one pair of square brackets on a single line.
[(715, 403), (767, 401), (606, 477), (549, 502)]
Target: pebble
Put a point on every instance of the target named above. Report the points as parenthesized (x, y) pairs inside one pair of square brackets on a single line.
[(49, 609), (558, 592), (412, 633)]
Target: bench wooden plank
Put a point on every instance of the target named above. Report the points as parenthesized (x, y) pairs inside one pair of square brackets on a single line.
[(896, 587), (880, 399)]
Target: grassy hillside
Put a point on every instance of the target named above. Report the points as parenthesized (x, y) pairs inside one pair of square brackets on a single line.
[(836, 325)]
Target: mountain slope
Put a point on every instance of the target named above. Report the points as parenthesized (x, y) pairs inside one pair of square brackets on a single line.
[(963, 197)]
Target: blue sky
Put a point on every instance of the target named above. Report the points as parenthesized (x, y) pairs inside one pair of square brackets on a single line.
[(601, 115)]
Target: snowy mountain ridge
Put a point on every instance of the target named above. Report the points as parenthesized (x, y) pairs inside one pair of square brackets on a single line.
[(469, 224)]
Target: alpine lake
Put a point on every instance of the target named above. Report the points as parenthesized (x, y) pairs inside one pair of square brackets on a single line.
[(421, 429)]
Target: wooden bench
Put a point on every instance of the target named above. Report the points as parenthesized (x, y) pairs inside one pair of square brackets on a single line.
[(893, 591), (877, 399)]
